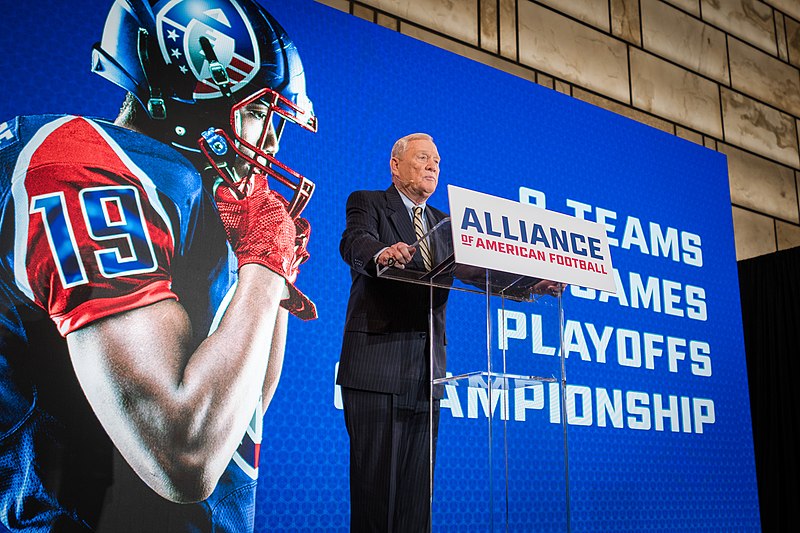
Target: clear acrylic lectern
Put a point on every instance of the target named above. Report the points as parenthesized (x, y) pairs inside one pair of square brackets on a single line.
[(501, 428)]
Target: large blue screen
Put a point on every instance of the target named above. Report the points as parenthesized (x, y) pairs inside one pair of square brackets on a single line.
[(659, 434)]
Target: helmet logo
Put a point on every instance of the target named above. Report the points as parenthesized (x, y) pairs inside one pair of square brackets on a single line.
[(180, 26)]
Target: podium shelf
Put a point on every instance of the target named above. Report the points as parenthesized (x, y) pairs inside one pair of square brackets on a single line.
[(493, 377)]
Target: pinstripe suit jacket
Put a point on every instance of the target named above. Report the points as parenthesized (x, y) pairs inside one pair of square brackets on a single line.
[(384, 348)]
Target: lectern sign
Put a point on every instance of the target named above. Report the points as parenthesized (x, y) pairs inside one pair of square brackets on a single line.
[(499, 234)]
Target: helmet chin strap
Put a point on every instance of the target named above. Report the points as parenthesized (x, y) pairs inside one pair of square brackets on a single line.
[(218, 72), (156, 107), (214, 145)]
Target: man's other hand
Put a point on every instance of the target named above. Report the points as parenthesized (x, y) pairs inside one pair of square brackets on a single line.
[(547, 287)]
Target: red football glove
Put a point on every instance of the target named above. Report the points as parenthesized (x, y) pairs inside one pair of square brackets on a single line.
[(258, 226), (260, 231), (298, 303), (303, 231)]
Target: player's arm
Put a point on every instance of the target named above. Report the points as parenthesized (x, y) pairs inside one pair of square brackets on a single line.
[(177, 416), (276, 353)]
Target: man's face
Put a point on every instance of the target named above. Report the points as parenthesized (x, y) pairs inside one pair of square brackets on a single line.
[(251, 123), (416, 172)]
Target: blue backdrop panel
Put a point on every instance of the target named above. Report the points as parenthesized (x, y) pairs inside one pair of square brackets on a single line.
[(658, 410)]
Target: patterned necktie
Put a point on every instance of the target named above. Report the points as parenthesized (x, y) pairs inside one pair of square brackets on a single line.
[(424, 247)]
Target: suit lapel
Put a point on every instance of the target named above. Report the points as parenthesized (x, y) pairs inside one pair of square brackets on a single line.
[(398, 215)]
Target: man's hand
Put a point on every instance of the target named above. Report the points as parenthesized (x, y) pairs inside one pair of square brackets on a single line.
[(397, 255), (258, 226), (552, 288)]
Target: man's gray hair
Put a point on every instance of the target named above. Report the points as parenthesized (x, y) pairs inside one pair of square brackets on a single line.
[(401, 144)]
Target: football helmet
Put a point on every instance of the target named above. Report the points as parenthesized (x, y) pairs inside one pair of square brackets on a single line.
[(198, 68)]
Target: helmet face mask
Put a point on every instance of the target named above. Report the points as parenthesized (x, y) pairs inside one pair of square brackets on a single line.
[(219, 80), (250, 145)]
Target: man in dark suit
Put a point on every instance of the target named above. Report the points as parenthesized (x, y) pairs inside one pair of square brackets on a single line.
[(384, 369), (385, 364)]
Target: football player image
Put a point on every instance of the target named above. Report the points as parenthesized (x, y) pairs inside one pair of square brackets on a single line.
[(149, 265)]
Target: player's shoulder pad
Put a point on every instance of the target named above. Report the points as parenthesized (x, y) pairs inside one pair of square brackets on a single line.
[(9, 132)]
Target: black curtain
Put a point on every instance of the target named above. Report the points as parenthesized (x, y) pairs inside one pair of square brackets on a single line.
[(770, 293)]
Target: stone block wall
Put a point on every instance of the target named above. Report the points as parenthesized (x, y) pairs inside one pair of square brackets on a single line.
[(721, 73)]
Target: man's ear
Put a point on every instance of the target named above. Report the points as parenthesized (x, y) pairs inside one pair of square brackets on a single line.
[(393, 165)]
